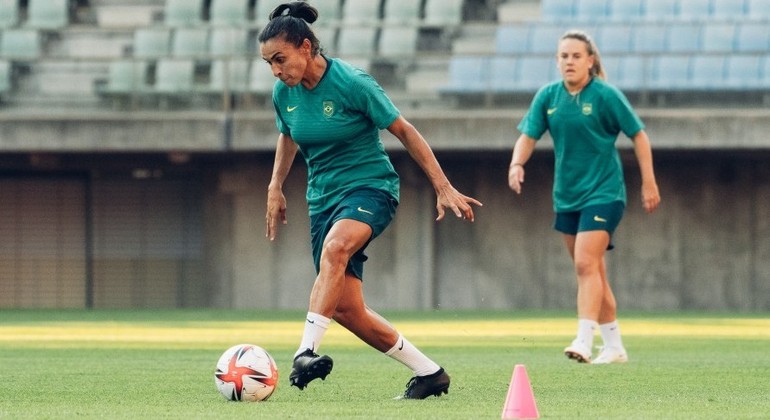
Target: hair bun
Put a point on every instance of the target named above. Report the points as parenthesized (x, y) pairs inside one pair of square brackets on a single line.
[(297, 9)]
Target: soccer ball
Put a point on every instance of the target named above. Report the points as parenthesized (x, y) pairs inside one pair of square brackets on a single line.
[(246, 373)]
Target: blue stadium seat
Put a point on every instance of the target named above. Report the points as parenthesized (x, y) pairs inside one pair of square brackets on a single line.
[(758, 9), (229, 12), (683, 37), (468, 74), (614, 38), (535, 71), (152, 43), (657, 10), (47, 14), (443, 12), (183, 12), (231, 41), (398, 42), (649, 38), (9, 13), (502, 76), (753, 36), (670, 72), (729, 9), (401, 12), (694, 9), (544, 38), (557, 10), (20, 44), (632, 73), (718, 37), (743, 71), (625, 10), (708, 72), (190, 42), (591, 10), (764, 81), (512, 39)]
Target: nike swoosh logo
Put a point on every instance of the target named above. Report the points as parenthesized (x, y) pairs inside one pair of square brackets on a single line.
[(365, 211), (551, 110), (401, 347), (310, 322), (291, 108), (599, 219)]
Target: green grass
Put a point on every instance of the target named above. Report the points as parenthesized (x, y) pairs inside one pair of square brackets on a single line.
[(159, 364)]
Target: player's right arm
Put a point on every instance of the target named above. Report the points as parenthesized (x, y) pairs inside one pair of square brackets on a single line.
[(276, 201), (522, 151)]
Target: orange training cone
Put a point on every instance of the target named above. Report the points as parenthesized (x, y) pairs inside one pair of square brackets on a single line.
[(520, 402)]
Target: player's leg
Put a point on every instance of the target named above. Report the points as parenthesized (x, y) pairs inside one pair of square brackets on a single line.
[(613, 350), (345, 238), (353, 314)]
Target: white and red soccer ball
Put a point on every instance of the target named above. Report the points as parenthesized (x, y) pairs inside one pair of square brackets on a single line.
[(246, 373)]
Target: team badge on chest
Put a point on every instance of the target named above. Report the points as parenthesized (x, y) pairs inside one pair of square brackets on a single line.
[(328, 109), (587, 109)]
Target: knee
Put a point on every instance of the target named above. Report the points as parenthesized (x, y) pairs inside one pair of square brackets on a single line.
[(586, 267), (336, 251)]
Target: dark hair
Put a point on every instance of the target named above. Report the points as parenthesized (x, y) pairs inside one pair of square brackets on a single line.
[(597, 69), (292, 21)]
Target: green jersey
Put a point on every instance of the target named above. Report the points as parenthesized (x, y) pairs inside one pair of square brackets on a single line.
[(584, 128), (337, 128)]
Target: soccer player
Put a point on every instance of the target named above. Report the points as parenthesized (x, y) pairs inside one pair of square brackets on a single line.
[(331, 112), (584, 115)]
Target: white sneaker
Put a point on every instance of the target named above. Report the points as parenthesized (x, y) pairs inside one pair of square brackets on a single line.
[(579, 352), (611, 355)]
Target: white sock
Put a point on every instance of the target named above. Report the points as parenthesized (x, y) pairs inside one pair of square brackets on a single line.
[(315, 328), (585, 334), (406, 353), (611, 334)]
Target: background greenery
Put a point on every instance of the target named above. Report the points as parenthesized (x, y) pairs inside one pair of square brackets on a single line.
[(160, 364)]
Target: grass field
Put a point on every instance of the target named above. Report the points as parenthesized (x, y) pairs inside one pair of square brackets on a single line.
[(160, 364)]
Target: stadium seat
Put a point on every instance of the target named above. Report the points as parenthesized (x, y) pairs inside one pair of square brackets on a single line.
[(229, 75), (173, 76), (329, 11), (728, 9), (263, 8), (557, 10), (5, 77), (190, 42), (228, 41), (512, 39), (356, 41), (124, 77), (625, 10), (718, 37), (753, 37), (632, 73), (183, 12), (261, 79), (758, 9), (591, 10), (443, 12), (502, 74), (401, 12), (670, 72), (694, 9), (535, 71), (47, 14), (20, 44), (152, 42), (327, 35), (764, 72), (468, 74), (614, 38), (743, 71), (544, 38), (649, 38), (398, 42), (656, 10), (361, 12), (9, 13), (683, 37), (229, 12), (708, 72)]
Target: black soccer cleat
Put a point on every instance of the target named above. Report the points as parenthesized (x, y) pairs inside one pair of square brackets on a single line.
[(308, 366), (421, 387)]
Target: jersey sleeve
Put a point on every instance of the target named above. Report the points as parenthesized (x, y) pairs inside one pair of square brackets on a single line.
[(535, 123), (623, 113), (371, 100), (279, 122)]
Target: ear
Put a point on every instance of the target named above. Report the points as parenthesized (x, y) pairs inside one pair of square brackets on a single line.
[(306, 46)]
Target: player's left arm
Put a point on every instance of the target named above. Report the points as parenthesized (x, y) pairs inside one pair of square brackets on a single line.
[(446, 195), (643, 152)]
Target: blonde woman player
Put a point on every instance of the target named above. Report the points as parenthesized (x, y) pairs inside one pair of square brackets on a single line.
[(584, 115)]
